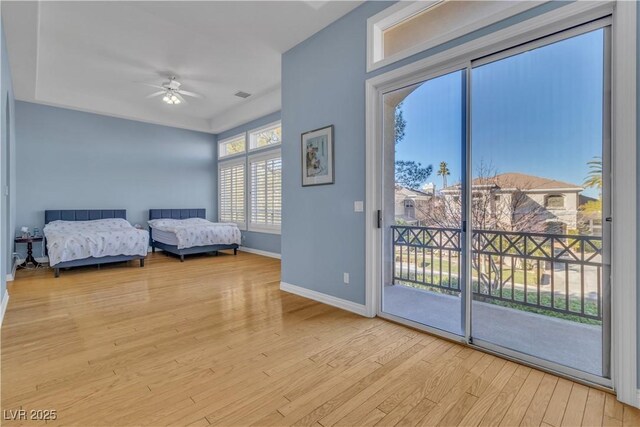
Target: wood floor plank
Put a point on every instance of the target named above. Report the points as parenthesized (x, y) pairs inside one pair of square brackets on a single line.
[(520, 404), (575, 406), (613, 412), (555, 411), (506, 396), (631, 416), (477, 412), (214, 341), (535, 411), (594, 408)]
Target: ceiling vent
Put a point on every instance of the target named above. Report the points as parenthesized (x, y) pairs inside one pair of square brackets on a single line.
[(243, 94)]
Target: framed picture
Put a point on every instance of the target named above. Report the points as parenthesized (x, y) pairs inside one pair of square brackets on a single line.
[(317, 157)]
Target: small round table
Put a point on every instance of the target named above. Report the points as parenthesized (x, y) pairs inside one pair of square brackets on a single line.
[(29, 241)]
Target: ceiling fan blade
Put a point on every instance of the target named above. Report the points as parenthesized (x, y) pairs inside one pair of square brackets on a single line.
[(156, 94), (156, 86), (187, 93), (182, 100)]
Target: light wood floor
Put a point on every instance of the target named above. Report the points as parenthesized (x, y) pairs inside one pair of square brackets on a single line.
[(214, 341)]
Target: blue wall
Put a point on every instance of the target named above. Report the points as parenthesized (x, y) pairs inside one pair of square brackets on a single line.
[(74, 160), (7, 163), (263, 241), (323, 83)]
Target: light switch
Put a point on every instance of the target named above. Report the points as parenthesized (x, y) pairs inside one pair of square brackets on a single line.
[(358, 206)]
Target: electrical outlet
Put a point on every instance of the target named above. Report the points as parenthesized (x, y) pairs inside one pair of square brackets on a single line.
[(345, 278)]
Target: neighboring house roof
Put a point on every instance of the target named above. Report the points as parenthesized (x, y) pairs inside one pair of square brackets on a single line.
[(520, 181), (410, 192)]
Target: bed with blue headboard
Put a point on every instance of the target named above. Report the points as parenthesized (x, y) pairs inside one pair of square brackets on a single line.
[(88, 215), (183, 214)]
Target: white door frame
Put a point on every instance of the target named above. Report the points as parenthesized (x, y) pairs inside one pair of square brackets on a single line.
[(624, 140)]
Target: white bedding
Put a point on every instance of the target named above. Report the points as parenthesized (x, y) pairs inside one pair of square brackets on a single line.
[(72, 240), (198, 232), (166, 237)]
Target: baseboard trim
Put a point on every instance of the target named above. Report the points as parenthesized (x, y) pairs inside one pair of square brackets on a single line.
[(259, 252), (3, 308), (353, 307), (10, 277)]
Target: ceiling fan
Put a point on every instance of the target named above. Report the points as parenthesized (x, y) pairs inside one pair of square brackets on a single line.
[(171, 92)]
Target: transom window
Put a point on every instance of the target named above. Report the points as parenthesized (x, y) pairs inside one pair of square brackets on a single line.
[(407, 28), (232, 146), (269, 135)]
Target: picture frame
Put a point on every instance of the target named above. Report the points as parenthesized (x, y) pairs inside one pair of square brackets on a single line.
[(317, 157)]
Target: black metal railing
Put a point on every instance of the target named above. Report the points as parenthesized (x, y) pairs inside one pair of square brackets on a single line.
[(552, 272)]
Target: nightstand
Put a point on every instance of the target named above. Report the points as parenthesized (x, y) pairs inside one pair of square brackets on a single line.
[(29, 241)]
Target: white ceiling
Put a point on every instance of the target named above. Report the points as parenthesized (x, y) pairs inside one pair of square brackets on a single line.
[(95, 56)]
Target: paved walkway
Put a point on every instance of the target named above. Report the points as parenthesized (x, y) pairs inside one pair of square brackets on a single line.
[(568, 343)]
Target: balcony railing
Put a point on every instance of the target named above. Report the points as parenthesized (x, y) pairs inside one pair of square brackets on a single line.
[(550, 273)]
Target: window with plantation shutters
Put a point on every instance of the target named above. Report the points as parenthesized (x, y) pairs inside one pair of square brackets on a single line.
[(232, 192), (265, 192)]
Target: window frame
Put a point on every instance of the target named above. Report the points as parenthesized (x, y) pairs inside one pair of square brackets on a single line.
[(261, 156), (237, 160), (403, 11), (230, 139), (555, 197), (250, 133)]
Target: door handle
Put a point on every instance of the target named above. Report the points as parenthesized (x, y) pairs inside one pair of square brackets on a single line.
[(379, 218)]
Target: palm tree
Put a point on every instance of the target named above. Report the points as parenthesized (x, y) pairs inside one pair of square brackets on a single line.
[(443, 171), (594, 177)]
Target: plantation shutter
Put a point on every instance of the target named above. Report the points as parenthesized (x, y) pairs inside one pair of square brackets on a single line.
[(231, 192), (266, 192)]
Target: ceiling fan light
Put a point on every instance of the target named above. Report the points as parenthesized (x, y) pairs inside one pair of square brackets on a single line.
[(177, 101)]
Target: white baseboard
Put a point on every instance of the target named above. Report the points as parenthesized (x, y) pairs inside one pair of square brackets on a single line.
[(259, 252), (360, 309), (5, 303), (10, 277)]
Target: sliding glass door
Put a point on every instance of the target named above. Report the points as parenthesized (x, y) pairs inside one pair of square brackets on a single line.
[(424, 147), (496, 200), (538, 146)]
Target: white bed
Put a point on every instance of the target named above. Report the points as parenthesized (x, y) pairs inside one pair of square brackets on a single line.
[(69, 241), (193, 235)]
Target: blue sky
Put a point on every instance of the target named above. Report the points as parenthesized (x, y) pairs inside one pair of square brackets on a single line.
[(538, 113)]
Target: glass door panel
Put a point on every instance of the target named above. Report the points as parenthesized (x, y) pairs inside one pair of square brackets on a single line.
[(538, 193), (424, 137)]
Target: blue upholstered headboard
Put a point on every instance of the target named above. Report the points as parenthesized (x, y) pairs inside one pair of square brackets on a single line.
[(83, 214), (177, 213)]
